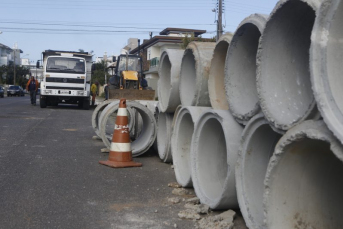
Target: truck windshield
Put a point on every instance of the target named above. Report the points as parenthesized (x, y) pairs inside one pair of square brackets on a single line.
[(133, 64), (65, 65)]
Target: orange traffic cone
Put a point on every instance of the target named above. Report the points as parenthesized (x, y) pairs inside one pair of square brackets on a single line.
[(120, 152)]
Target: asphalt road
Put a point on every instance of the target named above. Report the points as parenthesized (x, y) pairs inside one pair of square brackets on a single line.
[(50, 176)]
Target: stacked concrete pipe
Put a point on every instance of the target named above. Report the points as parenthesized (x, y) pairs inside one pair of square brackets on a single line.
[(181, 142), (283, 77), (97, 112), (257, 146), (164, 131), (214, 152), (304, 179), (216, 85), (326, 64), (194, 74), (168, 83), (240, 68), (148, 133)]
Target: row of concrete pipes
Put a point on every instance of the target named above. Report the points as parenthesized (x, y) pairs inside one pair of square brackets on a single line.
[(255, 121)]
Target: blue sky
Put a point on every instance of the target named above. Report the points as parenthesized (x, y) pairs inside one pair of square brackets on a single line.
[(106, 25)]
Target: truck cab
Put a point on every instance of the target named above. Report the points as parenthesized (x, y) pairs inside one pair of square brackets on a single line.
[(66, 78)]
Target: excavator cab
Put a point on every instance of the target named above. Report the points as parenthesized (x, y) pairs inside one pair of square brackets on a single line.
[(129, 71)]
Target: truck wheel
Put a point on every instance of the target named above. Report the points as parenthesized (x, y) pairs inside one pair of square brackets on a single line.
[(86, 104), (42, 102)]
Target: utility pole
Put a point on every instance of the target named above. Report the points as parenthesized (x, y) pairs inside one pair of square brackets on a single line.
[(219, 21), (14, 53)]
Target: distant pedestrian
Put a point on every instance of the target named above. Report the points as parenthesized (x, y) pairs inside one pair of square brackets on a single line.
[(32, 87), (94, 90), (106, 91)]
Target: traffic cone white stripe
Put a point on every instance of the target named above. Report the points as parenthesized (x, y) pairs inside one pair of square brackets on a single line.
[(120, 147), (122, 112)]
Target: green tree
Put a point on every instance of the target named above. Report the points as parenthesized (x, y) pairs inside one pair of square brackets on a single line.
[(21, 72), (99, 72)]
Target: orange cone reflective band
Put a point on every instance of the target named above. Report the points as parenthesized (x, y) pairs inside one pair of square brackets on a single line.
[(120, 155)]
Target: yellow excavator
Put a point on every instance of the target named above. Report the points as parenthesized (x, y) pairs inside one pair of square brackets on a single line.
[(128, 81)]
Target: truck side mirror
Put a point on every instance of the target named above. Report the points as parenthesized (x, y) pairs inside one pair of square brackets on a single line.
[(37, 64), (114, 59)]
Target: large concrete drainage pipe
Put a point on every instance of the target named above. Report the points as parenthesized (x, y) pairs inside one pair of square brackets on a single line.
[(304, 179), (257, 146), (214, 153), (283, 77), (181, 143), (164, 131), (326, 64), (240, 68), (168, 83), (216, 85), (97, 112), (194, 74), (148, 131)]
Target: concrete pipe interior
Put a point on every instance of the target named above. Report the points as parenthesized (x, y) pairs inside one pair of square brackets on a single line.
[(258, 148), (183, 146), (241, 89), (284, 83), (216, 79), (165, 81), (212, 159), (188, 78), (162, 135), (306, 188)]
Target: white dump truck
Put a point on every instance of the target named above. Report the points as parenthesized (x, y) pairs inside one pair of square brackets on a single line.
[(66, 78)]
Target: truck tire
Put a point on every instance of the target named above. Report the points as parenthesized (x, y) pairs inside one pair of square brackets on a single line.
[(42, 102), (86, 104)]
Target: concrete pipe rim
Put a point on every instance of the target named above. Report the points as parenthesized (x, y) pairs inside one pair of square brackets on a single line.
[(287, 100), (322, 66), (95, 115), (249, 201), (164, 82), (188, 78), (240, 68), (148, 134), (163, 136), (216, 85), (183, 177), (222, 194), (297, 151)]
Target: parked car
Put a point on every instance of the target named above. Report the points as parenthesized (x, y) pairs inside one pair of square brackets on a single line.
[(15, 91), (2, 91)]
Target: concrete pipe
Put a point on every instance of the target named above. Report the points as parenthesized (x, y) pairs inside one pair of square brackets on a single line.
[(97, 112), (148, 133), (175, 115), (257, 146), (283, 77), (181, 143), (214, 152), (304, 180), (194, 74), (110, 122), (168, 83), (240, 68), (216, 85), (164, 126), (326, 64)]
